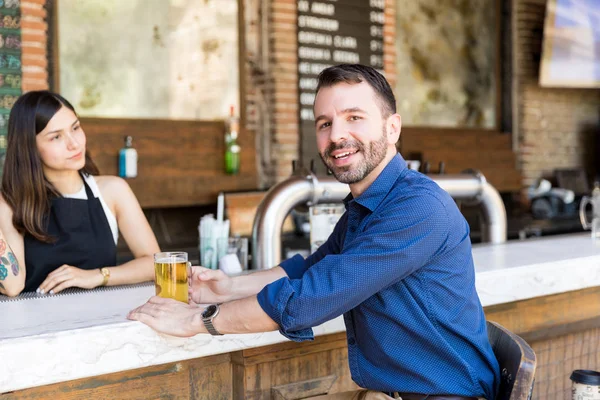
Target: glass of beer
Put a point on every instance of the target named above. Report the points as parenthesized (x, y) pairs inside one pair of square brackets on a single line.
[(172, 272)]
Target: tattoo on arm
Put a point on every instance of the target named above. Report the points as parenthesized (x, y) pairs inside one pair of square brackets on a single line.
[(14, 264), (7, 258), (3, 271)]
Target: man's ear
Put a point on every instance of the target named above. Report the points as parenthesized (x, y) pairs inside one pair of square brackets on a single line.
[(393, 128)]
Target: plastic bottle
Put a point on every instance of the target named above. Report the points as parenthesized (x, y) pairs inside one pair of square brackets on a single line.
[(128, 159), (232, 149)]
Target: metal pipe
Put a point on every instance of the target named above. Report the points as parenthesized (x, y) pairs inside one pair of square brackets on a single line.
[(297, 190), (494, 216), (475, 187), (277, 204)]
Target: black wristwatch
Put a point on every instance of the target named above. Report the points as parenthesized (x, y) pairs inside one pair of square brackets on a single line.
[(208, 315)]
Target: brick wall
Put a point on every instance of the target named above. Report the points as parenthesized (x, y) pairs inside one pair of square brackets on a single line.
[(34, 38), (283, 90), (555, 128), (252, 82), (389, 38)]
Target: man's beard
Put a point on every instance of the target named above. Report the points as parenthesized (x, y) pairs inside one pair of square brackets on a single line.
[(372, 157)]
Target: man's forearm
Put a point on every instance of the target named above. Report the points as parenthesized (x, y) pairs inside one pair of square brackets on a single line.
[(250, 284), (243, 316)]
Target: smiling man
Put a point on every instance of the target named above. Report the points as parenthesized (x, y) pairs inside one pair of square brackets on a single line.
[(398, 265)]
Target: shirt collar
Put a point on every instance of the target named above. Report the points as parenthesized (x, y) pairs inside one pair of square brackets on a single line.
[(374, 195)]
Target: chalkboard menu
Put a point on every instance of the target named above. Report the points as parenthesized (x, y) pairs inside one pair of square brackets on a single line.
[(333, 32), (10, 65)]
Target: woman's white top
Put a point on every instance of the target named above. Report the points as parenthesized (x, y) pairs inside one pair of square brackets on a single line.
[(112, 220)]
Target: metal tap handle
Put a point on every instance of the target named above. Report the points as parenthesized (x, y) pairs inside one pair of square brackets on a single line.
[(585, 200)]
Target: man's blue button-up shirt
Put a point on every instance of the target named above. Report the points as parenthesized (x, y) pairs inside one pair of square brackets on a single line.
[(399, 267)]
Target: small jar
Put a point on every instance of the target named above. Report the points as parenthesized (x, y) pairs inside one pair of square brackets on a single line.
[(586, 385)]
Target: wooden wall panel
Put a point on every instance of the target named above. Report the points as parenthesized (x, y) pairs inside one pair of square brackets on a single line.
[(180, 162), (460, 149)]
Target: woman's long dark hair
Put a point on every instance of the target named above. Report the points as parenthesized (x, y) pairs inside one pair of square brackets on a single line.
[(24, 186)]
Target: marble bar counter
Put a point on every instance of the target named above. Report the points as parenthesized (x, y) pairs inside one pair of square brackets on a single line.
[(65, 337)]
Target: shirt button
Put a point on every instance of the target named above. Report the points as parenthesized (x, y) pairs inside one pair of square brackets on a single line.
[(352, 229), (351, 341)]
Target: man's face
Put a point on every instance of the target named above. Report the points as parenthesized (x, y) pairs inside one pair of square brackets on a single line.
[(351, 132)]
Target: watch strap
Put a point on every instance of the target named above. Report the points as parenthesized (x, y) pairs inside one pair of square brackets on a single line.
[(208, 316), (211, 328)]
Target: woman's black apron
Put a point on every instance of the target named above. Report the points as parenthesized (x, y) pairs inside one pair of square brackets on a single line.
[(84, 239)]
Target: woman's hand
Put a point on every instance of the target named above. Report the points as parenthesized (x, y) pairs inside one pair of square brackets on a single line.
[(68, 276), (209, 286)]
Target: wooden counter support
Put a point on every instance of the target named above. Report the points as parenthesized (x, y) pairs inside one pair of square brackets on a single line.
[(257, 370)]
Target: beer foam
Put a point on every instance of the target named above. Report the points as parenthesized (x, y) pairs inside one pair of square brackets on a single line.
[(170, 260)]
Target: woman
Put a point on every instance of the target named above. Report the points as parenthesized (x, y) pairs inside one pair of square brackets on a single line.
[(59, 220)]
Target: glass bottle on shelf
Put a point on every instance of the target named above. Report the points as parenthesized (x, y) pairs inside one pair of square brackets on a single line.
[(232, 149)]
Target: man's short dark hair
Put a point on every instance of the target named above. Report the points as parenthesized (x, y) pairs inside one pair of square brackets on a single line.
[(357, 73)]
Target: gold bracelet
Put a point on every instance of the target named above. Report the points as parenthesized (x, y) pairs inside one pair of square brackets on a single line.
[(105, 275)]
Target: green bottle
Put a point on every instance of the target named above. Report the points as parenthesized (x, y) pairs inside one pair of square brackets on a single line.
[(232, 149)]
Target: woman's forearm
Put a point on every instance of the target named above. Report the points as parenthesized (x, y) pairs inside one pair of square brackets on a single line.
[(138, 270)]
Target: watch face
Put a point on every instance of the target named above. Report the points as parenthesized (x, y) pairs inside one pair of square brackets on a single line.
[(209, 311)]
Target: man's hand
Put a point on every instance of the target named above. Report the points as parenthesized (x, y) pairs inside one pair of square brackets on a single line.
[(68, 276), (209, 286), (169, 316)]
